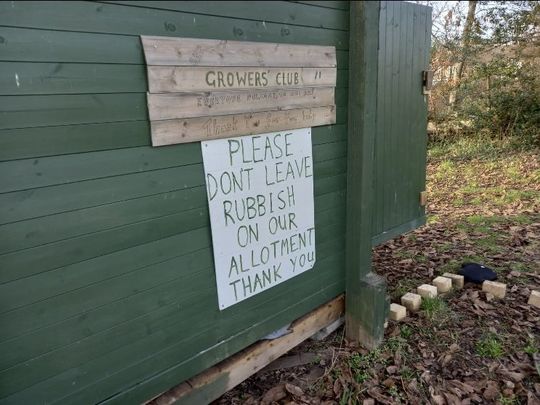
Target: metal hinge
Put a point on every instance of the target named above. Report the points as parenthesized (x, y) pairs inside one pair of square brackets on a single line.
[(427, 81)]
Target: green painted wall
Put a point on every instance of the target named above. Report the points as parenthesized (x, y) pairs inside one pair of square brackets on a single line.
[(107, 290)]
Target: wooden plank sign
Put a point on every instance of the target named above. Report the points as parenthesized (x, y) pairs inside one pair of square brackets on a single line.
[(165, 79), (167, 132), (166, 106), (202, 89), (260, 197), (171, 51)]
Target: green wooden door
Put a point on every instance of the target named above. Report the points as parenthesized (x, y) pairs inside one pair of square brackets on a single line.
[(400, 145)]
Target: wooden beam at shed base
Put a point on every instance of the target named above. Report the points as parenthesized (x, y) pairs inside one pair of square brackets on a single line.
[(214, 382)]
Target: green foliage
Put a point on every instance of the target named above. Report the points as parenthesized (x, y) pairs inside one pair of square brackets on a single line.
[(406, 331), (512, 400), (360, 367), (501, 99), (434, 307), (532, 347), (490, 346), (474, 146), (486, 87)]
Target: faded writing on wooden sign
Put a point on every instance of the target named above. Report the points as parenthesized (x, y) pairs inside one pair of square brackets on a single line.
[(197, 81), (260, 196)]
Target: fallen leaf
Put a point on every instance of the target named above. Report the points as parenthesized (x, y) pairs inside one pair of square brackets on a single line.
[(391, 369), (492, 391), (273, 395)]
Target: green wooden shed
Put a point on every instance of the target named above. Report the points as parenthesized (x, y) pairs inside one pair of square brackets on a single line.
[(107, 282)]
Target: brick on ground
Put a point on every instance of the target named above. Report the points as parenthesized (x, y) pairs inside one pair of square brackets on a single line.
[(534, 299), (443, 284), (411, 301), (457, 279), (497, 289), (397, 312), (427, 291)]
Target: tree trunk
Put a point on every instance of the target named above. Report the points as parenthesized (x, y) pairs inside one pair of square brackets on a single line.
[(465, 51)]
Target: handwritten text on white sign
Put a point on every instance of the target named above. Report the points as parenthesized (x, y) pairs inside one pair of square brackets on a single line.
[(260, 194)]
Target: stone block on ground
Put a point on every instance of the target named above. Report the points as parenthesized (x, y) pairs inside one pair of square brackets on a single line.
[(457, 279), (443, 284), (411, 301), (427, 291), (397, 312), (497, 289), (534, 299)]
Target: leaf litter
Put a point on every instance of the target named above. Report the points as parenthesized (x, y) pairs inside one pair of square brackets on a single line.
[(472, 349)]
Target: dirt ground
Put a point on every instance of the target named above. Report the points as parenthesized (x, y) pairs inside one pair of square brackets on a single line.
[(463, 348)]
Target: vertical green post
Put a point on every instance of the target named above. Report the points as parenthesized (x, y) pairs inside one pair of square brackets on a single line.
[(366, 303)]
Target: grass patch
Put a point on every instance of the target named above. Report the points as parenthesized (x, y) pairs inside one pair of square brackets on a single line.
[(435, 308), (508, 400), (484, 223), (444, 247), (489, 242), (452, 266), (475, 147), (490, 346), (405, 331), (519, 266), (362, 365), (531, 347), (405, 286), (395, 344)]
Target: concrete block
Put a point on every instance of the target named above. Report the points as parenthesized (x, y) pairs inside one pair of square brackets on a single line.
[(443, 284), (497, 289), (534, 299), (457, 279), (427, 291), (397, 312), (411, 301)]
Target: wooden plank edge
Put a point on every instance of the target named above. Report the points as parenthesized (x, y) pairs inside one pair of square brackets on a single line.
[(242, 365)]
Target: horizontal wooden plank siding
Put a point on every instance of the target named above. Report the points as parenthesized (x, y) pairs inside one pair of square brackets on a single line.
[(107, 286), (19, 78), (90, 17), (296, 13), (48, 45)]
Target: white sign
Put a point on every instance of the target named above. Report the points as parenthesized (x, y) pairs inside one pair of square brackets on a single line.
[(260, 195)]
